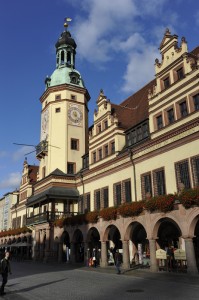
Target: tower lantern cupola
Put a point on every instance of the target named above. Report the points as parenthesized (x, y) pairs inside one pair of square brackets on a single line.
[(65, 72)]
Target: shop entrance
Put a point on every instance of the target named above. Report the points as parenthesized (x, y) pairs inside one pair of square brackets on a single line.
[(139, 245), (78, 246)]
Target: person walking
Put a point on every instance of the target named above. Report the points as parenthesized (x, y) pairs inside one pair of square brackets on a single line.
[(5, 269), (118, 261)]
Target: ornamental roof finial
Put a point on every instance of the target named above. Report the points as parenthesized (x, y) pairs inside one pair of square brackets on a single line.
[(66, 20)]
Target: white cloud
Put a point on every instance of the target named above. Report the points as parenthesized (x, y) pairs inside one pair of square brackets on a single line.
[(140, 69), (11, 182)]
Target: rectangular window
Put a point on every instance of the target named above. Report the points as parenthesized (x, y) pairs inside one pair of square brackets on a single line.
[(146, 184), (105, 124), (98, 206), (74, 144), (127, 186), (118, 194), (105, 195), (81, 204), (100, 154), (170, 114), (182, 173), (183, 109), (166, 82), (94, 157), (139, 133), (196, 101), (88, 202), (159, 181), (70, 168), (57, 110), (58, 97), (195, 169), (159, 122), (145, 130), (106, 150), (180, 73), (99, 127), (85, 161), (112, 147), (73, 97)]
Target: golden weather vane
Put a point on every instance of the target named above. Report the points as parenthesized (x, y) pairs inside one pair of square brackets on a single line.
[(66, 20)]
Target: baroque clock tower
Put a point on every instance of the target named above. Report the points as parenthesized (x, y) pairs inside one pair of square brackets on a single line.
[(64, 116)]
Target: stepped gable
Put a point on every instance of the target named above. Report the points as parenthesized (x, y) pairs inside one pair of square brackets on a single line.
[(134, 109)]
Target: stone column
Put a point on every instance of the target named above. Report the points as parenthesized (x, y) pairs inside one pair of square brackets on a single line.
[(86, 258), (60, 251), (72, 252), (126, 259), (153, 261), (36, 245), (47, 245), (190, 254), (104, 262)]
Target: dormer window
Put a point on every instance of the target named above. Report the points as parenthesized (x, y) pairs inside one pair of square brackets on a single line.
[(166, 82), (74, 80)]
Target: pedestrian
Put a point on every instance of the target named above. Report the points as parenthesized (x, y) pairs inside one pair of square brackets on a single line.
[(118, 261), (5, 269)]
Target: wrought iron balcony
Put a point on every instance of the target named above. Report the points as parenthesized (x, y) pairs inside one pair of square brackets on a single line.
[(42, 149)]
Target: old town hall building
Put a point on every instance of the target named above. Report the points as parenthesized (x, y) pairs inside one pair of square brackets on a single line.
[(118, 184)]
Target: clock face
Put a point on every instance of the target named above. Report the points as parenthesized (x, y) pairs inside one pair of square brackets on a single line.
[(75, 114)]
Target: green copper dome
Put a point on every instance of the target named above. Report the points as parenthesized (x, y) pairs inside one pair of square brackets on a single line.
[(66, 75)]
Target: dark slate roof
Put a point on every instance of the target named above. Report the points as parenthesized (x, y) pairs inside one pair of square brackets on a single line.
[(54, 192), (57, 172), (66, 39), (134, 109)]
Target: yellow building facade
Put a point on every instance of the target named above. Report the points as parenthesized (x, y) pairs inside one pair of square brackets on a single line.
[(96, 186)]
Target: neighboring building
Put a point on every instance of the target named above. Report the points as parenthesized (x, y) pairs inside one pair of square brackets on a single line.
[(146, 146), (6, 202), (18, 210)]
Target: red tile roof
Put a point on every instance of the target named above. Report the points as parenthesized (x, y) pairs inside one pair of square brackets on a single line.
[(134, 109)]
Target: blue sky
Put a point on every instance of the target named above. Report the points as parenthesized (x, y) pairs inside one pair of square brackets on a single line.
[(117, 43)]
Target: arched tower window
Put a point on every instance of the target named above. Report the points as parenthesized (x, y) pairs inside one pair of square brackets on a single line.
[(69, 57), (62, 58), (57, 59)]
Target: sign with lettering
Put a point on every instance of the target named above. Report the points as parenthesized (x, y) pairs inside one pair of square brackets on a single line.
[(161, 254), (180, 254)]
